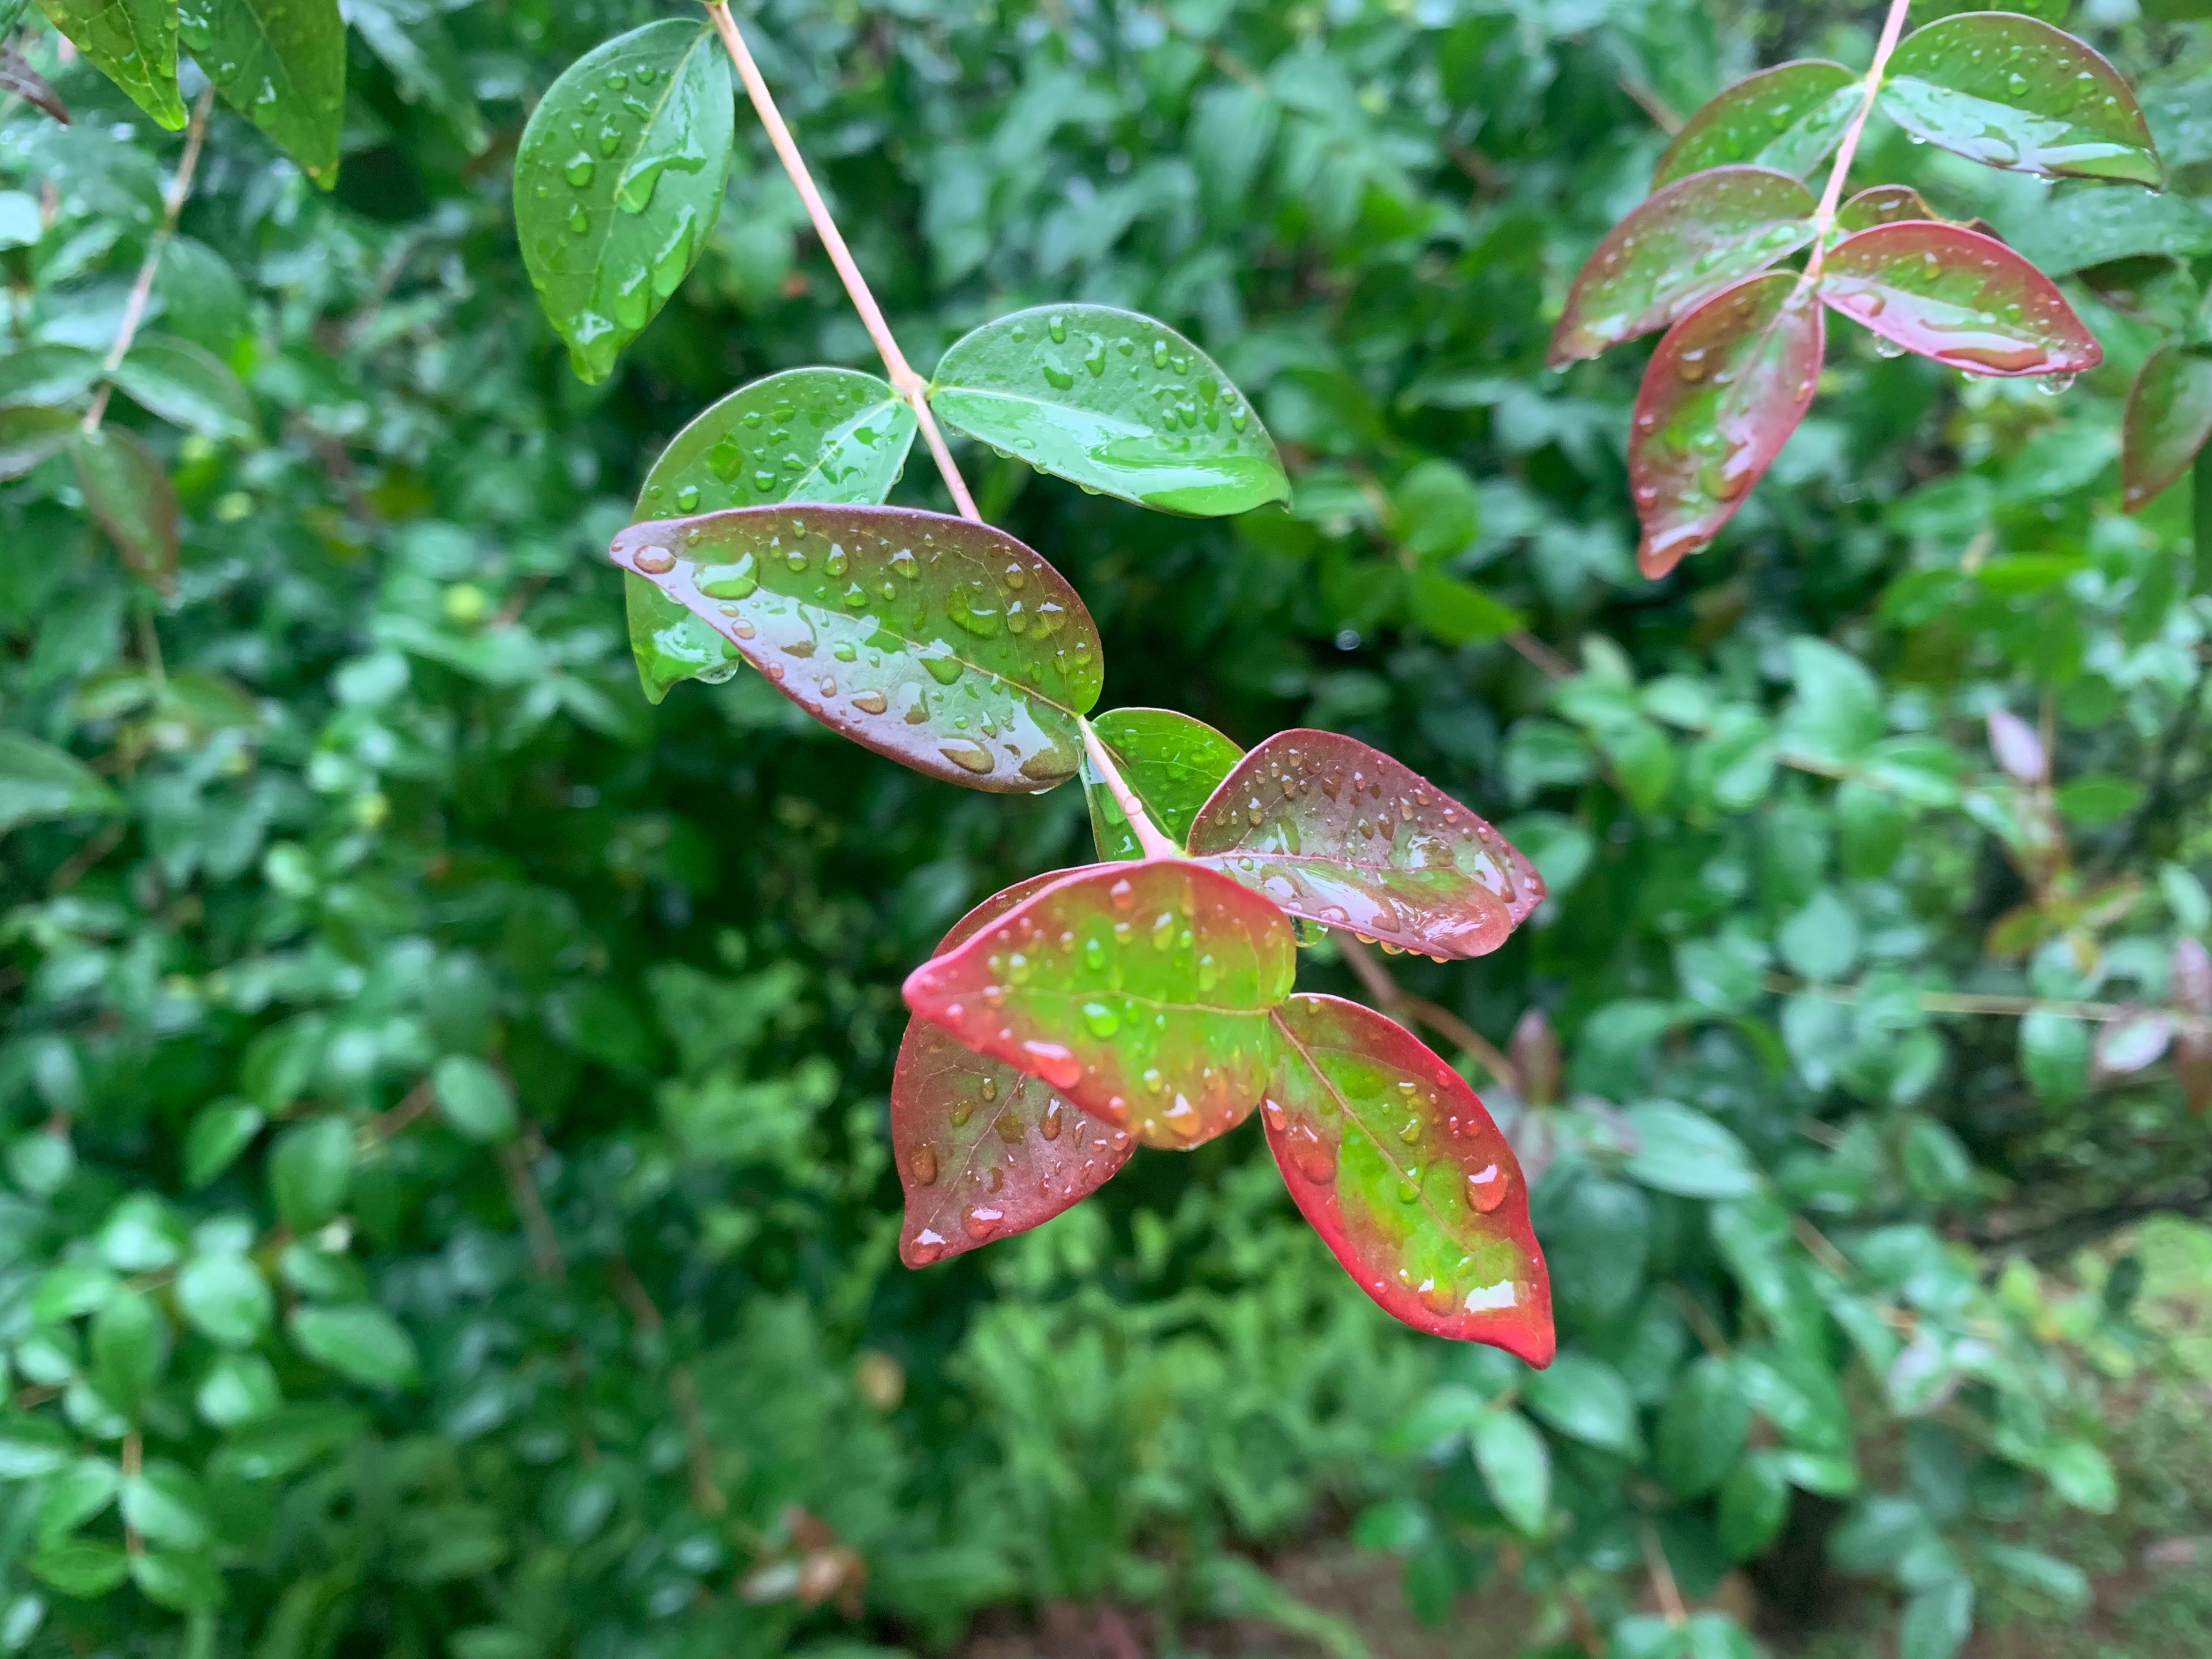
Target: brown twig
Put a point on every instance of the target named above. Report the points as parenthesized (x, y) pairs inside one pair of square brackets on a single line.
[(1407, 1009), (1550, 663), (530, 1204), (74, 868), (1662, 1576), (1660, 112), (705, 1497)]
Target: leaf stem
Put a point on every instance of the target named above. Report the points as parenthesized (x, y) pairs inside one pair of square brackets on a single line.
[(172, 208), (1155, 845), (908, 385), (1824, 219)]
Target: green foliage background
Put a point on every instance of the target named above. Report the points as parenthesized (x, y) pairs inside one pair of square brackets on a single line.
[(449, 1202)]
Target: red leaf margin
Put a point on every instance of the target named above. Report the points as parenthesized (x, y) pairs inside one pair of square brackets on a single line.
[(1850, 285)]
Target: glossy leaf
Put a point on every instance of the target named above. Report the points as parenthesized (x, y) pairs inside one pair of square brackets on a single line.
[(219, 1134), (125, 489), (1115, 402), (1677, 249), (1172, 761), (2014, 92), (1720, 398), (1883, 205), (474, 1099), (2169, 418), (187, 385), (28, 436), (832, 435), (1139, 991), (1391, 1156), (618, 180), (1338, 832), (984, 1150), (47, 376), (360, 1342), (945, 645), (133, 43), (1958, 296), (38, 783), (281, 63), (1789, 117)]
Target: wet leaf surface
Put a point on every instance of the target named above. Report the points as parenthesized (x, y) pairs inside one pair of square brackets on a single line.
[(945, 645), (2014, 92), (133, 43), (1720, 398), (1172, 761), (2169, 418), (619, 178), (281, 63), (1392, 1158), (1683, 244), (832, 435), (1115, 402), (1958, 296), (126, 489), (1789, 117), (985, 1151), (1883, 204), (1339, 833), (1139, 991)]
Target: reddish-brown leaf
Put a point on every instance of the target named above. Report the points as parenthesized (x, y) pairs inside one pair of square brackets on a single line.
[(1392, 1159), (1958, 296), (1139, 991), (2169, 419), (1339, 833), (1680, 245), (1720, 398)]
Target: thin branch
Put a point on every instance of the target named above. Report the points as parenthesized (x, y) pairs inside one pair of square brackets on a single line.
[(705, 1497), (1661, 113), (1662, 1576), (1155, 845), (530, 1204), (1824, 218), (1966, 1002), (172, 208), (908, 385), (1549, 662), (1408, 1010)]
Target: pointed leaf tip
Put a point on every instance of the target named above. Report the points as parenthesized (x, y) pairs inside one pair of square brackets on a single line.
[(1392, 1158), (2169, 420), (1958, 296)]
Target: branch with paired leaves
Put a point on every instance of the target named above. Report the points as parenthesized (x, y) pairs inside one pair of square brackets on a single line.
[(1146, 999)]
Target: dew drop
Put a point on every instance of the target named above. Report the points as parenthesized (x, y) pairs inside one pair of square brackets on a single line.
[(654, 561), (922, 1165), (1486, 1189)]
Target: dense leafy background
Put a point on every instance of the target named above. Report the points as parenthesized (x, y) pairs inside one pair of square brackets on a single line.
[(447, 1154)]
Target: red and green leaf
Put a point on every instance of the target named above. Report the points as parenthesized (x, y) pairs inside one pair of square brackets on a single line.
[(1140, 992), (945, 645), (983, 1151), (1681, 246), (2169, 419), (1172, 763), (2014, 92), (1721, 396), (1958, 296), (1392, 1159), (1789, 117), (1339, 833), (125, 489)]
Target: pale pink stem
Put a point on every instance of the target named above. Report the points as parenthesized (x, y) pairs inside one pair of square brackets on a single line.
[(1155, 845), (1824, 218), (908, 385)]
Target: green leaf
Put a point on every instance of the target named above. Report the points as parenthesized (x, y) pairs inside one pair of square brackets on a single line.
[(1883, 204), (217, 1136), (75, 1494), (1392, 1158), (1789, 117), (1683, 1151), (28, 436), (1435, 510), (1689, 241), (127, 491), (2082, 1476), (1836, 714), (1140, 992), (224, 1297), (311, 1171), (426, 66), (1340, 834), (1517, 1467), (166, 1503), (39, 781), (1702, 1427), (832, 435), (618, 180), (78, 1567), (32, 1448), (133, 43), (360, 1342), (1821, 941), (2094, 224), (2168, 420), (129, 1345), (238, 1388), (1172, 763), (183, 1583), (1458, 612), (1958, 296), (1937, 1619), (187, 385), (1727, 385), (947, 645), (47, 376), (1754, 1502), (2054, 1056), (1115, 402), (281, 63), (2012, 92), (476, 1099), (1586, 1400), (73, 1289)]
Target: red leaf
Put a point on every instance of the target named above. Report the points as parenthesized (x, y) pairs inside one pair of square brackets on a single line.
[(1786, 118), (1338, 832), (127, 491), (1139, 991), (1958, 296), (1720, 398), (2169, 418), (1681, 245), (1392, 1159)]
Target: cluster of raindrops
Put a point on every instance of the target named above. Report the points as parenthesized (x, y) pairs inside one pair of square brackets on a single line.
[(741, 453)]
